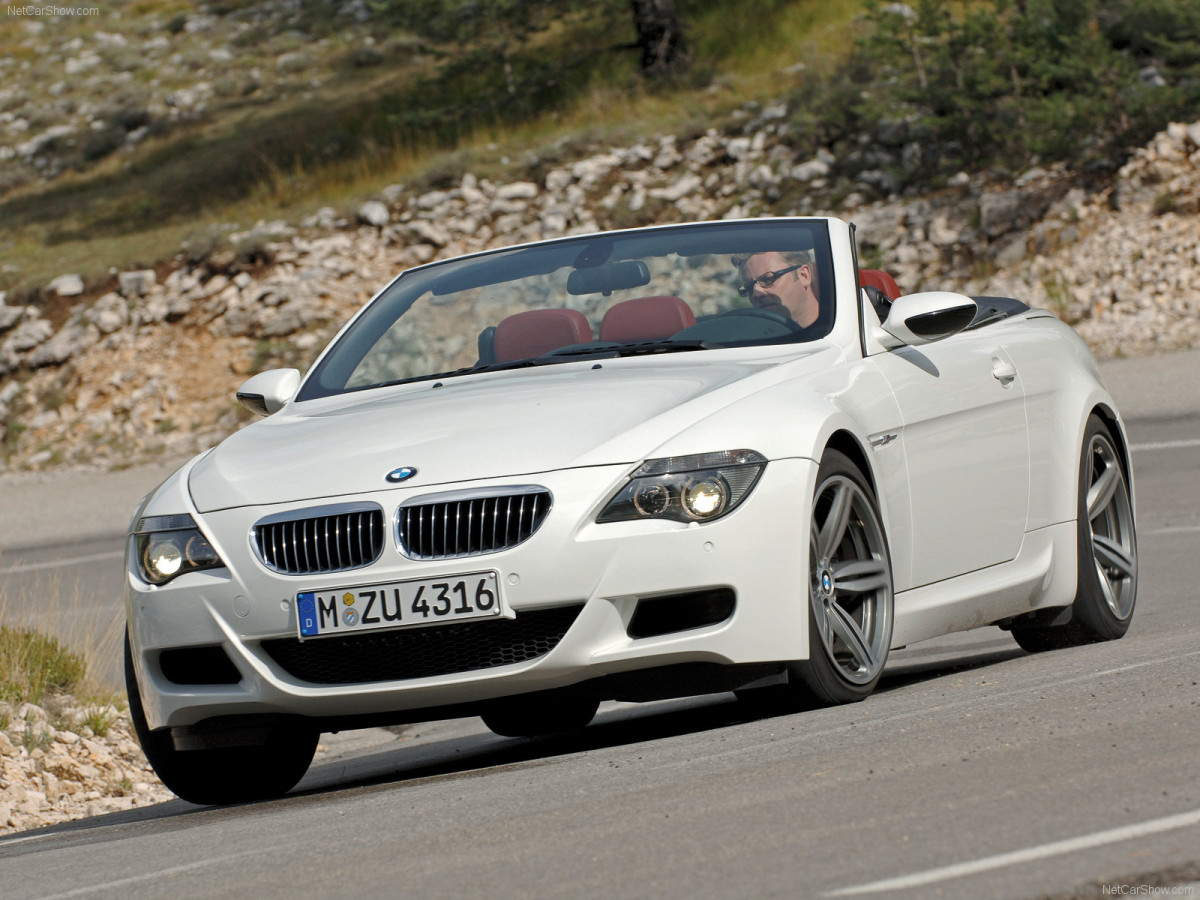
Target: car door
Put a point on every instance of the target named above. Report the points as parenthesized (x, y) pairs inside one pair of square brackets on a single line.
[(967, 449)]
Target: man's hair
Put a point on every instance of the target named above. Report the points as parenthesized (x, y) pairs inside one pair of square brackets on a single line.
[(791, 257)]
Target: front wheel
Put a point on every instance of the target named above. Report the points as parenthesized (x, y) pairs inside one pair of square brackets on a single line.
[(225, 775), (850, 603), (1106, 587)]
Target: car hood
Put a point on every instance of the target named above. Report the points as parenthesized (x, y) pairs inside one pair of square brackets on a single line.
[(498, 425)]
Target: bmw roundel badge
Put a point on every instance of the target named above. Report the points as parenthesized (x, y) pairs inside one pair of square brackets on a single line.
[(401, 474)]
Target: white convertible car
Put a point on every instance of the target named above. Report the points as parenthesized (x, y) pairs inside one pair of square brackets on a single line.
[(632, 465)]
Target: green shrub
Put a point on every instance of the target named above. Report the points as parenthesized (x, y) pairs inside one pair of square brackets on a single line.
[(32, 664), (1005, 83)]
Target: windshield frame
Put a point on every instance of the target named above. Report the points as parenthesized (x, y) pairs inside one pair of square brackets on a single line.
[(355, 339)]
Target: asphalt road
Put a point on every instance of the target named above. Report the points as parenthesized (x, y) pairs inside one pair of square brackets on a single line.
[(976, 770)]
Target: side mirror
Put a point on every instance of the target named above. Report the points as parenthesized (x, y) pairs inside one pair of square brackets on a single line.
[(916, 319), (268, 391)]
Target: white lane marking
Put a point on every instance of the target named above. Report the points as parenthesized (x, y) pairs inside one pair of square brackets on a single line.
[(1029, 854), (61, 563), (1166, 445), (973, 703), (161, 873)]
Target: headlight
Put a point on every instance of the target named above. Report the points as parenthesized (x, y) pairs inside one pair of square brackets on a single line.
[(168, 546), (696, 488)]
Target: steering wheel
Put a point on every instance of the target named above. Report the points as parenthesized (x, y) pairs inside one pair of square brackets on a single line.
[(771, 315)]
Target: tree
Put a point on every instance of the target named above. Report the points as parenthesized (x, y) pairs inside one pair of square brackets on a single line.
[(659, 38)]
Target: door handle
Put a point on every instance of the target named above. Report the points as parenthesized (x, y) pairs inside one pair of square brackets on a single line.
[(1003, 371)]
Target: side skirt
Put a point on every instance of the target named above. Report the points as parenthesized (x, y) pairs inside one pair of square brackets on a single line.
[(1042, 575)]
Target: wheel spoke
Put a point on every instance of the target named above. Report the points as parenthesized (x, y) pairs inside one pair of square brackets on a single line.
[(861, 576), (834, 529), (1111, 555), (1101, 493), (1106, 588), (847, 629)]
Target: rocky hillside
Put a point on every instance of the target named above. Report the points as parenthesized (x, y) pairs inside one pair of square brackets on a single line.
[(151, 366), (75, 90), (56, 768)]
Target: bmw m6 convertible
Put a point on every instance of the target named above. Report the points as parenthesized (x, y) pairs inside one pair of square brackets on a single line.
[(632, 465)]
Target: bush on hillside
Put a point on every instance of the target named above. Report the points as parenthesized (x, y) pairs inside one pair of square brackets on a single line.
[(33, 664), (1012, 82)]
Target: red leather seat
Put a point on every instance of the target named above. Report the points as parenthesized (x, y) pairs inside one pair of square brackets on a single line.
[(539, 331), (879, 279), (646, 319)]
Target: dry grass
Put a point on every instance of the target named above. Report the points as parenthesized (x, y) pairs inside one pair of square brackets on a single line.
[(53, 641), (252, 162)]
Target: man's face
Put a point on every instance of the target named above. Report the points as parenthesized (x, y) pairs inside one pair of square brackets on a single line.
[(791, 294)]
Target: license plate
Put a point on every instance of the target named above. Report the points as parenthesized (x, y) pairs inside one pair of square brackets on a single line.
[(398, 604)]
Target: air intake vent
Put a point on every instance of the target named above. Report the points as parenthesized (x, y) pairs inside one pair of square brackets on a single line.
[(454, 525), (424, 652), (323, 539)]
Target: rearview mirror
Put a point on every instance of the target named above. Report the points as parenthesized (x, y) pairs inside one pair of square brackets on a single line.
[(916, 319), (605, 279), (268, 391)]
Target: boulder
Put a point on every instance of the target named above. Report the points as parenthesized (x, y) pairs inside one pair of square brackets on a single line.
[(66, 286), (28, 335), (374, 213), (71, 341), (518, 190), (137, 283)]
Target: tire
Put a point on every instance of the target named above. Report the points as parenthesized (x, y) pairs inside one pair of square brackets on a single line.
[(536, 715), (1106, 585), (851, 606), (226, 775)]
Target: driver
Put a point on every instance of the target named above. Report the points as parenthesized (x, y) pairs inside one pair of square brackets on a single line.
[(783, 282)]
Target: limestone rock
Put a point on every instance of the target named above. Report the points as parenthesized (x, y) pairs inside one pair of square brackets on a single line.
[(374, 213), (137, 283), (66, 286)]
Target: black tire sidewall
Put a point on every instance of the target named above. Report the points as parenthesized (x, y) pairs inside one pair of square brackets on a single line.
[(220, 776), (1091, 613)]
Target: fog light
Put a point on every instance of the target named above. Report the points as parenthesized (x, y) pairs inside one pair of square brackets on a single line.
[(705, 499)]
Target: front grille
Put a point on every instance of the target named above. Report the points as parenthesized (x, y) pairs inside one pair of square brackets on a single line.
[(423, 652), (324, 539), (454, 526)]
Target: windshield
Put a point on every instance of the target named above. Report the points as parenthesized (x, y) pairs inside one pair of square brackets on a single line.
[(656, 290)]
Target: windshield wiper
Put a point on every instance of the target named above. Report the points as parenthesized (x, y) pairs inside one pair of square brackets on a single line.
[(602, 350), (611, 350), (465, 370)]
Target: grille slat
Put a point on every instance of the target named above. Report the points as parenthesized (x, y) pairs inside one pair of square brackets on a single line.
[(480, 524), (423, 652), (320, 540)]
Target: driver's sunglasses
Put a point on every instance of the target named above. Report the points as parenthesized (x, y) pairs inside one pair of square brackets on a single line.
[(766, 279)]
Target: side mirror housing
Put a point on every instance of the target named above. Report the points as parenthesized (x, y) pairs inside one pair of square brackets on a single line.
[(268, 391), (916, 319)]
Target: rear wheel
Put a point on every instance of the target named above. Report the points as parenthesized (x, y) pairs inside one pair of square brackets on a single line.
[(224, 775), (543, 713), (1108, 565), (850, 604)]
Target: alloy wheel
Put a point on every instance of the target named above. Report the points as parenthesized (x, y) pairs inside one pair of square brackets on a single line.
[(850, 580), (1110, 519)]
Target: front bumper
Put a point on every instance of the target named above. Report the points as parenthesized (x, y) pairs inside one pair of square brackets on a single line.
[(759, 552)]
